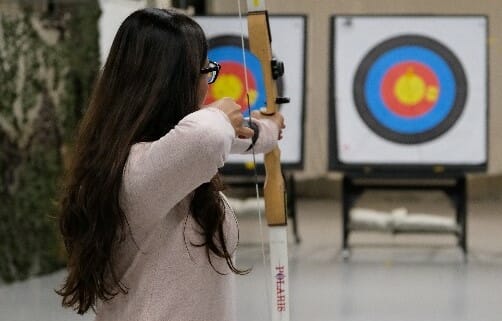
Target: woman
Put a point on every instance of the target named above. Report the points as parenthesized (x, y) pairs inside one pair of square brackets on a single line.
[(148, 233)]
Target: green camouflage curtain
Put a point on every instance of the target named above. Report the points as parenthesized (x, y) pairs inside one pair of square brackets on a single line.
[(49, 58)]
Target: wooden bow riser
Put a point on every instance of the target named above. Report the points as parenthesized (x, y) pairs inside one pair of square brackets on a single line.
[(259, 43)]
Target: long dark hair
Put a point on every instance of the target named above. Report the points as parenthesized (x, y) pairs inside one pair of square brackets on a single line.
[(148, 84)]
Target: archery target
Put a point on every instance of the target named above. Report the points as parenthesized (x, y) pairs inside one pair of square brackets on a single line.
[(231, 82), (409, 90), (288, 45)]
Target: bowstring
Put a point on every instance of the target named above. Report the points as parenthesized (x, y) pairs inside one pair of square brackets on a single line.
[(257, 190)]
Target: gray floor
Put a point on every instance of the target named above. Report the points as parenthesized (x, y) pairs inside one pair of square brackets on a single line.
[(387, 278)]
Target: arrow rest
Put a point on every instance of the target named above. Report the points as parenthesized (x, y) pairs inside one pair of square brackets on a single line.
[(277, 68), (278, 71)]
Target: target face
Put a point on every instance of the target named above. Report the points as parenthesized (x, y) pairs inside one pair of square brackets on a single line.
[(408, 92), (410, 89), (231, 81)]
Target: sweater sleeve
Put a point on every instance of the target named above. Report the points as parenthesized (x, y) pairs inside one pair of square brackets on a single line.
[(267, 139), (160, 174)]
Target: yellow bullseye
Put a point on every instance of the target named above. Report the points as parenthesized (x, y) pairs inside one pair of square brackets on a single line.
[(432, 93), (253, 95), (228, 85), (410, 88)]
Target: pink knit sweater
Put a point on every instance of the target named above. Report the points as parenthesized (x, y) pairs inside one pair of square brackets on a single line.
[(168, 278)]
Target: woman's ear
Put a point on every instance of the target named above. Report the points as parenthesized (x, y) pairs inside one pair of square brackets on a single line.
[(202, 89)]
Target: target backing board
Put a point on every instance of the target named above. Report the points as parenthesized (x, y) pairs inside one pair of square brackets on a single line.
[(288, 45), (408, 92)]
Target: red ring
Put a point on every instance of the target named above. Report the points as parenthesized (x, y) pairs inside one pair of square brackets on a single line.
[(389, 81)]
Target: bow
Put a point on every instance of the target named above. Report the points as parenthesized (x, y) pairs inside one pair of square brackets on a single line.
[(274, 186)]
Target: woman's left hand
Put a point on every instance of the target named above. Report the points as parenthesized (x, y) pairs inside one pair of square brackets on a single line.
[(277, 118)]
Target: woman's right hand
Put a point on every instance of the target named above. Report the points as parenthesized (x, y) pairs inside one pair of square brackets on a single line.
[(234, 114)]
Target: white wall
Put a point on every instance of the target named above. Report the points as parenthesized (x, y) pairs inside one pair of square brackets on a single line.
[(113, 14)]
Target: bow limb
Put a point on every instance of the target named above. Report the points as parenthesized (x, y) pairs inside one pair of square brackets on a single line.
[(274, 187)]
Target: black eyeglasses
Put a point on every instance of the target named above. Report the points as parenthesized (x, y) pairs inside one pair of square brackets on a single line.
[(212, 71)]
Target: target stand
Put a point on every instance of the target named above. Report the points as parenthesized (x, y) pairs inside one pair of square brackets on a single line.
[(454, 187)]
